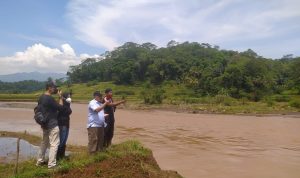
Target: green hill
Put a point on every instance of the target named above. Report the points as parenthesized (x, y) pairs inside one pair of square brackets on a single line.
[(191, 76), (205, 69)]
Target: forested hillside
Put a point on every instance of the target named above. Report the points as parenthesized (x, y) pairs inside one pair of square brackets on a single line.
[(26, 86), (207, 69)]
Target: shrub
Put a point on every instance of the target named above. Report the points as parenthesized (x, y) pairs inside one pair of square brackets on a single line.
[(189, 100), (180, 93), (244, 100), (91, 83), (269, 101), (124, 92), (255, 96), (153, 95), (223, 99), (295, 103), (282, 98)]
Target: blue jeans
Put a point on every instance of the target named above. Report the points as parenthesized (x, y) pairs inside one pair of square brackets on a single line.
[(63, 137)]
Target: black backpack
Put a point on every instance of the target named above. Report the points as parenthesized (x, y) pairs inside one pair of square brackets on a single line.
[(40, 116)]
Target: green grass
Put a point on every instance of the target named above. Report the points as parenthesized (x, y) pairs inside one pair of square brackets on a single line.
[(19, 97)]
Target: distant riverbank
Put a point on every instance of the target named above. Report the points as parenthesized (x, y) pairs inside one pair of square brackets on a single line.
[(206, 105)]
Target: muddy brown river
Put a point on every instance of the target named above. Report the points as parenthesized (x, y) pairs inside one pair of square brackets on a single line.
[(195, 145)]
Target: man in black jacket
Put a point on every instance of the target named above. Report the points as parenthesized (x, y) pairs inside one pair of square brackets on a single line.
[(50, 130), (110, 120)]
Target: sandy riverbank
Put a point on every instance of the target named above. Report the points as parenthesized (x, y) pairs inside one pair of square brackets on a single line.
[(195, 145)]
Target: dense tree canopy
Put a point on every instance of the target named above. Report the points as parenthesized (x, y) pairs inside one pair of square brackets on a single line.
[(203, 67)]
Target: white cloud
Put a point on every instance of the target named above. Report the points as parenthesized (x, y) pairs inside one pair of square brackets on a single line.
[(68, 50), (85, 56), (40, 58), (229, 23)]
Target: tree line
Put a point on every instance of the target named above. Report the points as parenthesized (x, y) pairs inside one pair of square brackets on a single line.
[(207, 69)]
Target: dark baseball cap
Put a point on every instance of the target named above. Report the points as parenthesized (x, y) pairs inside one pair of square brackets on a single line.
[(97, 93)]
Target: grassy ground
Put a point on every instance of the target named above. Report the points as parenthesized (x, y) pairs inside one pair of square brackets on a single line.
[(176, 97), (19, 97), (128, 159)]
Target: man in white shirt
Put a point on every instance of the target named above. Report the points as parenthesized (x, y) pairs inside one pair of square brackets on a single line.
[(96, 123)]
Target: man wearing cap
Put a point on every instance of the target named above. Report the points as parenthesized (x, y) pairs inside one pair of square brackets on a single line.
[(110, 119), (96, 123), (50, 130)]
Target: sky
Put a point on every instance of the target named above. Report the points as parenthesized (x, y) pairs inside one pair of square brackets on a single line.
[(51, 35)]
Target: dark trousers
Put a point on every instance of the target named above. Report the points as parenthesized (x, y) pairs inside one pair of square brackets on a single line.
[(109, 131), (96, 137), (63, 137)]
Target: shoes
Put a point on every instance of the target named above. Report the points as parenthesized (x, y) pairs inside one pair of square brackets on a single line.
[(56, 167), (40, 163), (50, 168)]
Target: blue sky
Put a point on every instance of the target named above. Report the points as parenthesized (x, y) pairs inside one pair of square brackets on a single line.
[(51, 35), (27, 22)]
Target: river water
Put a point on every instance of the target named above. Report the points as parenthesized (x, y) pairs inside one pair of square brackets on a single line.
[(8, 150), (195, 145)]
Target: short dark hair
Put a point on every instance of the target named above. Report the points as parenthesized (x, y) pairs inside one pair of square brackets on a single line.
[(107, 90), (65, 94), (50, 85), (97, 93)]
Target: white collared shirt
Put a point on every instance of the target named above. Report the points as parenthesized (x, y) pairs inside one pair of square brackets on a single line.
[(95, 119)]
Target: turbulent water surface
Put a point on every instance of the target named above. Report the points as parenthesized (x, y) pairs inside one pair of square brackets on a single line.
[(195, 145)]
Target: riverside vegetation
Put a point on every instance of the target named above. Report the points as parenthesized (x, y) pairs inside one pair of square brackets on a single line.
[(193, 76)]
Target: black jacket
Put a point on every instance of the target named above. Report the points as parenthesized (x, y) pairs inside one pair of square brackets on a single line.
[(51, 110), (64, 115)]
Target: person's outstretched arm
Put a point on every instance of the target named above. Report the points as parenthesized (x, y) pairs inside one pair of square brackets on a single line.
[(98, 109), (114, 104)]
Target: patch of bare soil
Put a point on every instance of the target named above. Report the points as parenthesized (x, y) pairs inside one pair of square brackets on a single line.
[(123, 167)]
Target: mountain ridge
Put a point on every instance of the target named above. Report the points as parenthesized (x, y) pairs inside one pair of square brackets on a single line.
[(38, 76)]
